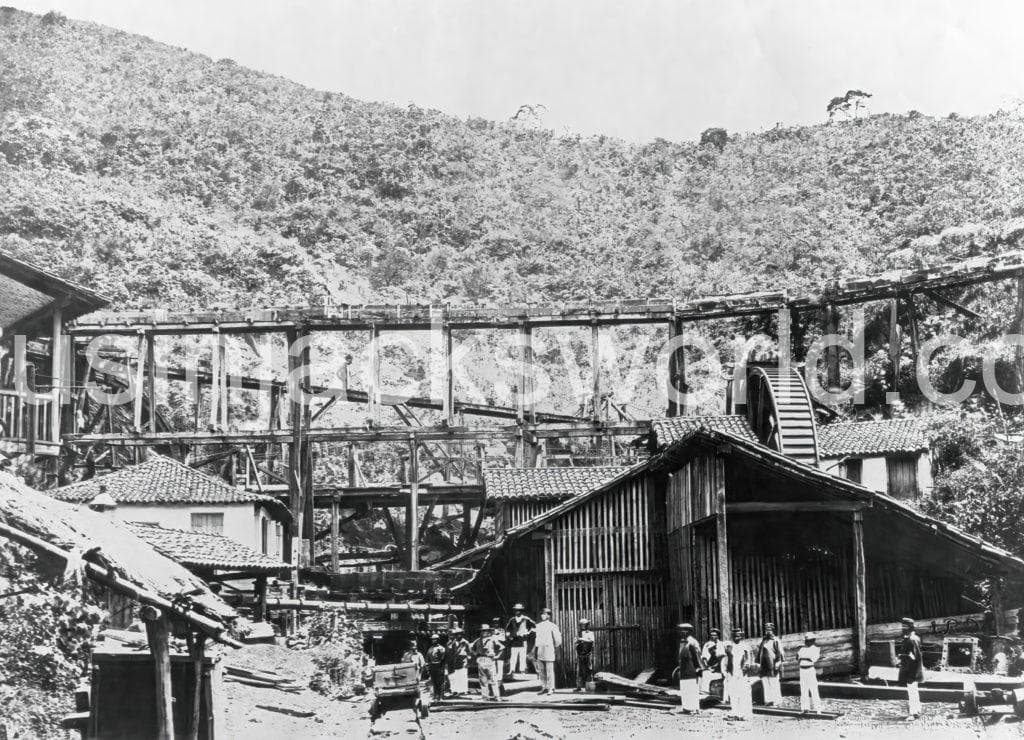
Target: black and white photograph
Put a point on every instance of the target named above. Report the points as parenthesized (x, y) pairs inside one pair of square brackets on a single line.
[(511, 369)]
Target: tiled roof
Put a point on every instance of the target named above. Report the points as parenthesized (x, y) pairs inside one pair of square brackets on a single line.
[(672, 429), (871, 438), (550, 484), (161, 480), (202, 550)]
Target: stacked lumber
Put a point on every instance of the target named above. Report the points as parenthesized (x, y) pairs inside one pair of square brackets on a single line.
[(262, 679), (578, 704)]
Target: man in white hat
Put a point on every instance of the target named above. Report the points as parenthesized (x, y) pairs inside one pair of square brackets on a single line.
[(518, 632), (735, 666), (547, 640), (486, 650), (807, 657), (769, 659), (458, 659)]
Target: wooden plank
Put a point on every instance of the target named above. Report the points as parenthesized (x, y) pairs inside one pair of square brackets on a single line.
[(722, 559), (859, 586), (412, 509), (595, 367), (334, 536), (158, 632), (747, 507)]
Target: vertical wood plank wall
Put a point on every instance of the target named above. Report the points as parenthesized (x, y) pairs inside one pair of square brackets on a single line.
[(603, 566)]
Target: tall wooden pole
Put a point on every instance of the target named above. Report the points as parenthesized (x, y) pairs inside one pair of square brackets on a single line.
[(373, 394), (722, 545), (294, 451), (676, 371), (151, 380), (860, 595), (57, 373), (595, 364), (448, 401), (334, 536), (1019, 328), (140, 383), (158, 632), (830, 325), (895, 347), (412, 530)]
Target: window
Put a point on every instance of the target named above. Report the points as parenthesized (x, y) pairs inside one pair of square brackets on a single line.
[(853, 468), (208, 523), (902, 477)]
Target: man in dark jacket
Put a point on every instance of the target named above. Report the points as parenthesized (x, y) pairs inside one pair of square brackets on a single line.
[(911, 667), (768, 658), (690, 667), (436, 665), (584, 654), (518, 632)]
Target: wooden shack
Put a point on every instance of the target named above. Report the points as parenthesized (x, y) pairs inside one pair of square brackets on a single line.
[(723, 528)]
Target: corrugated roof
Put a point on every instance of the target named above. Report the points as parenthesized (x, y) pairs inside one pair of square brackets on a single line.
[(871, 437), (544, 484), (672, 429), (161, 480), (203, 550)]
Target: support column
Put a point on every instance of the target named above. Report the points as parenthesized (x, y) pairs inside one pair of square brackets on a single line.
[(140, 382), (259, 607), (860, 596), (296, 372), (334, 536), (830, 325), (912, 315), (57, 373), (448, 400), (595, 365), (151, 381), (222, 383), (373, 392), (676, 371), (158, 631), (1019, 328), (722, 544), (895, 347), (412, 530)]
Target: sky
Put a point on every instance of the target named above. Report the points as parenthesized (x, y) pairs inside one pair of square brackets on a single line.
[(634, 69)]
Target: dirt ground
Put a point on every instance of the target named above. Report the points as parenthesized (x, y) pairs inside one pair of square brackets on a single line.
[(243, 717)]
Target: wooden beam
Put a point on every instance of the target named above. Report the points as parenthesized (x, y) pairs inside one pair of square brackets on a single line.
[(1020, 330), (830, 325), (197, 646), (750, 507), (860, 596), (294, 476), (722, 545), (895, 348), (140, 382), (912, 315), (58, 381), (412, 530), (373, 392), (158, 632), (950, 303), (448, 397), (595, 367), (151, 381), (334, 536)]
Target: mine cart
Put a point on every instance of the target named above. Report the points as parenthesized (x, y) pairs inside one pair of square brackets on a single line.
[(398, 686)]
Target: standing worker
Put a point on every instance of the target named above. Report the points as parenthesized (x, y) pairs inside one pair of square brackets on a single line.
[(436, 666), (689, 670), (711, 653), (911, 668), (343, 372), (808, 656), (499, 636), (412, 654), (769, 660), (584, 655), (735, 667), (518, 632), (485, 649), (458, 662), (547, 640)]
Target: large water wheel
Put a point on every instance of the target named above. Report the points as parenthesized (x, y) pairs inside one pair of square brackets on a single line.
[(780, 412)]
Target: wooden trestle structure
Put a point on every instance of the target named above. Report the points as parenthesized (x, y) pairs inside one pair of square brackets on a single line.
[(440, 471)]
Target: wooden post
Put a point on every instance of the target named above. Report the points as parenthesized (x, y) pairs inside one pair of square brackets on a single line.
[(140, 383), (412, 530), (215, 381), (995, 591), (259, 607), (448, 401), (222, 382), (57, 373), (197, 645), (1019, 328), (676, 371), (830, 325), (151, 380), (528, 375), (722, 544), (912, 315), (373, 392), (595, 365), (158, 631), (334, 536), (295, 453), (895, 347), (860, 596)]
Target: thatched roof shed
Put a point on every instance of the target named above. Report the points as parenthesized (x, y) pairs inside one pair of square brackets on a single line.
[(72, 537)]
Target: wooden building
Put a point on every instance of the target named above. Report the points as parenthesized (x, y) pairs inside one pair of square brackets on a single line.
[(720, 529), (890, 456)]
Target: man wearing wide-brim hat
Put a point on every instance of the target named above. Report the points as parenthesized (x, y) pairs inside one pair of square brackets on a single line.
[(584, 654), (486, 650), (807, 658), (769, 659), (911, 667), (518, 633), (458, 662), (547, 640), (689, 668)]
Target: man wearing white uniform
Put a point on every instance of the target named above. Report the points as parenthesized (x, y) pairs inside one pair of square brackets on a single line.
[(769, 659), (689, 668), (735, 667), (808, 656), (547, 640)]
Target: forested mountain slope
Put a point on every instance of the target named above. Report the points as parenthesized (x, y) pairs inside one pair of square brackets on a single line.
[(161, 176)]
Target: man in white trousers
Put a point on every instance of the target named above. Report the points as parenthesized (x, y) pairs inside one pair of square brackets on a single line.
[(735, 667), (518, 633), (769, 661), (911, 668), (808, 656), (547, 640), (690, 667)]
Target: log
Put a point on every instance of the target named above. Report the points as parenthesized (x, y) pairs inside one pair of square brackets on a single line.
[(794, 713), (648, 704), (948, 679), (503, 705), (829, 690), (645, 675), (286, 710), (643, 688)]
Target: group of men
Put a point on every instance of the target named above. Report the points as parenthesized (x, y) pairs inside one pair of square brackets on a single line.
[(739, 664), (501, 650)]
